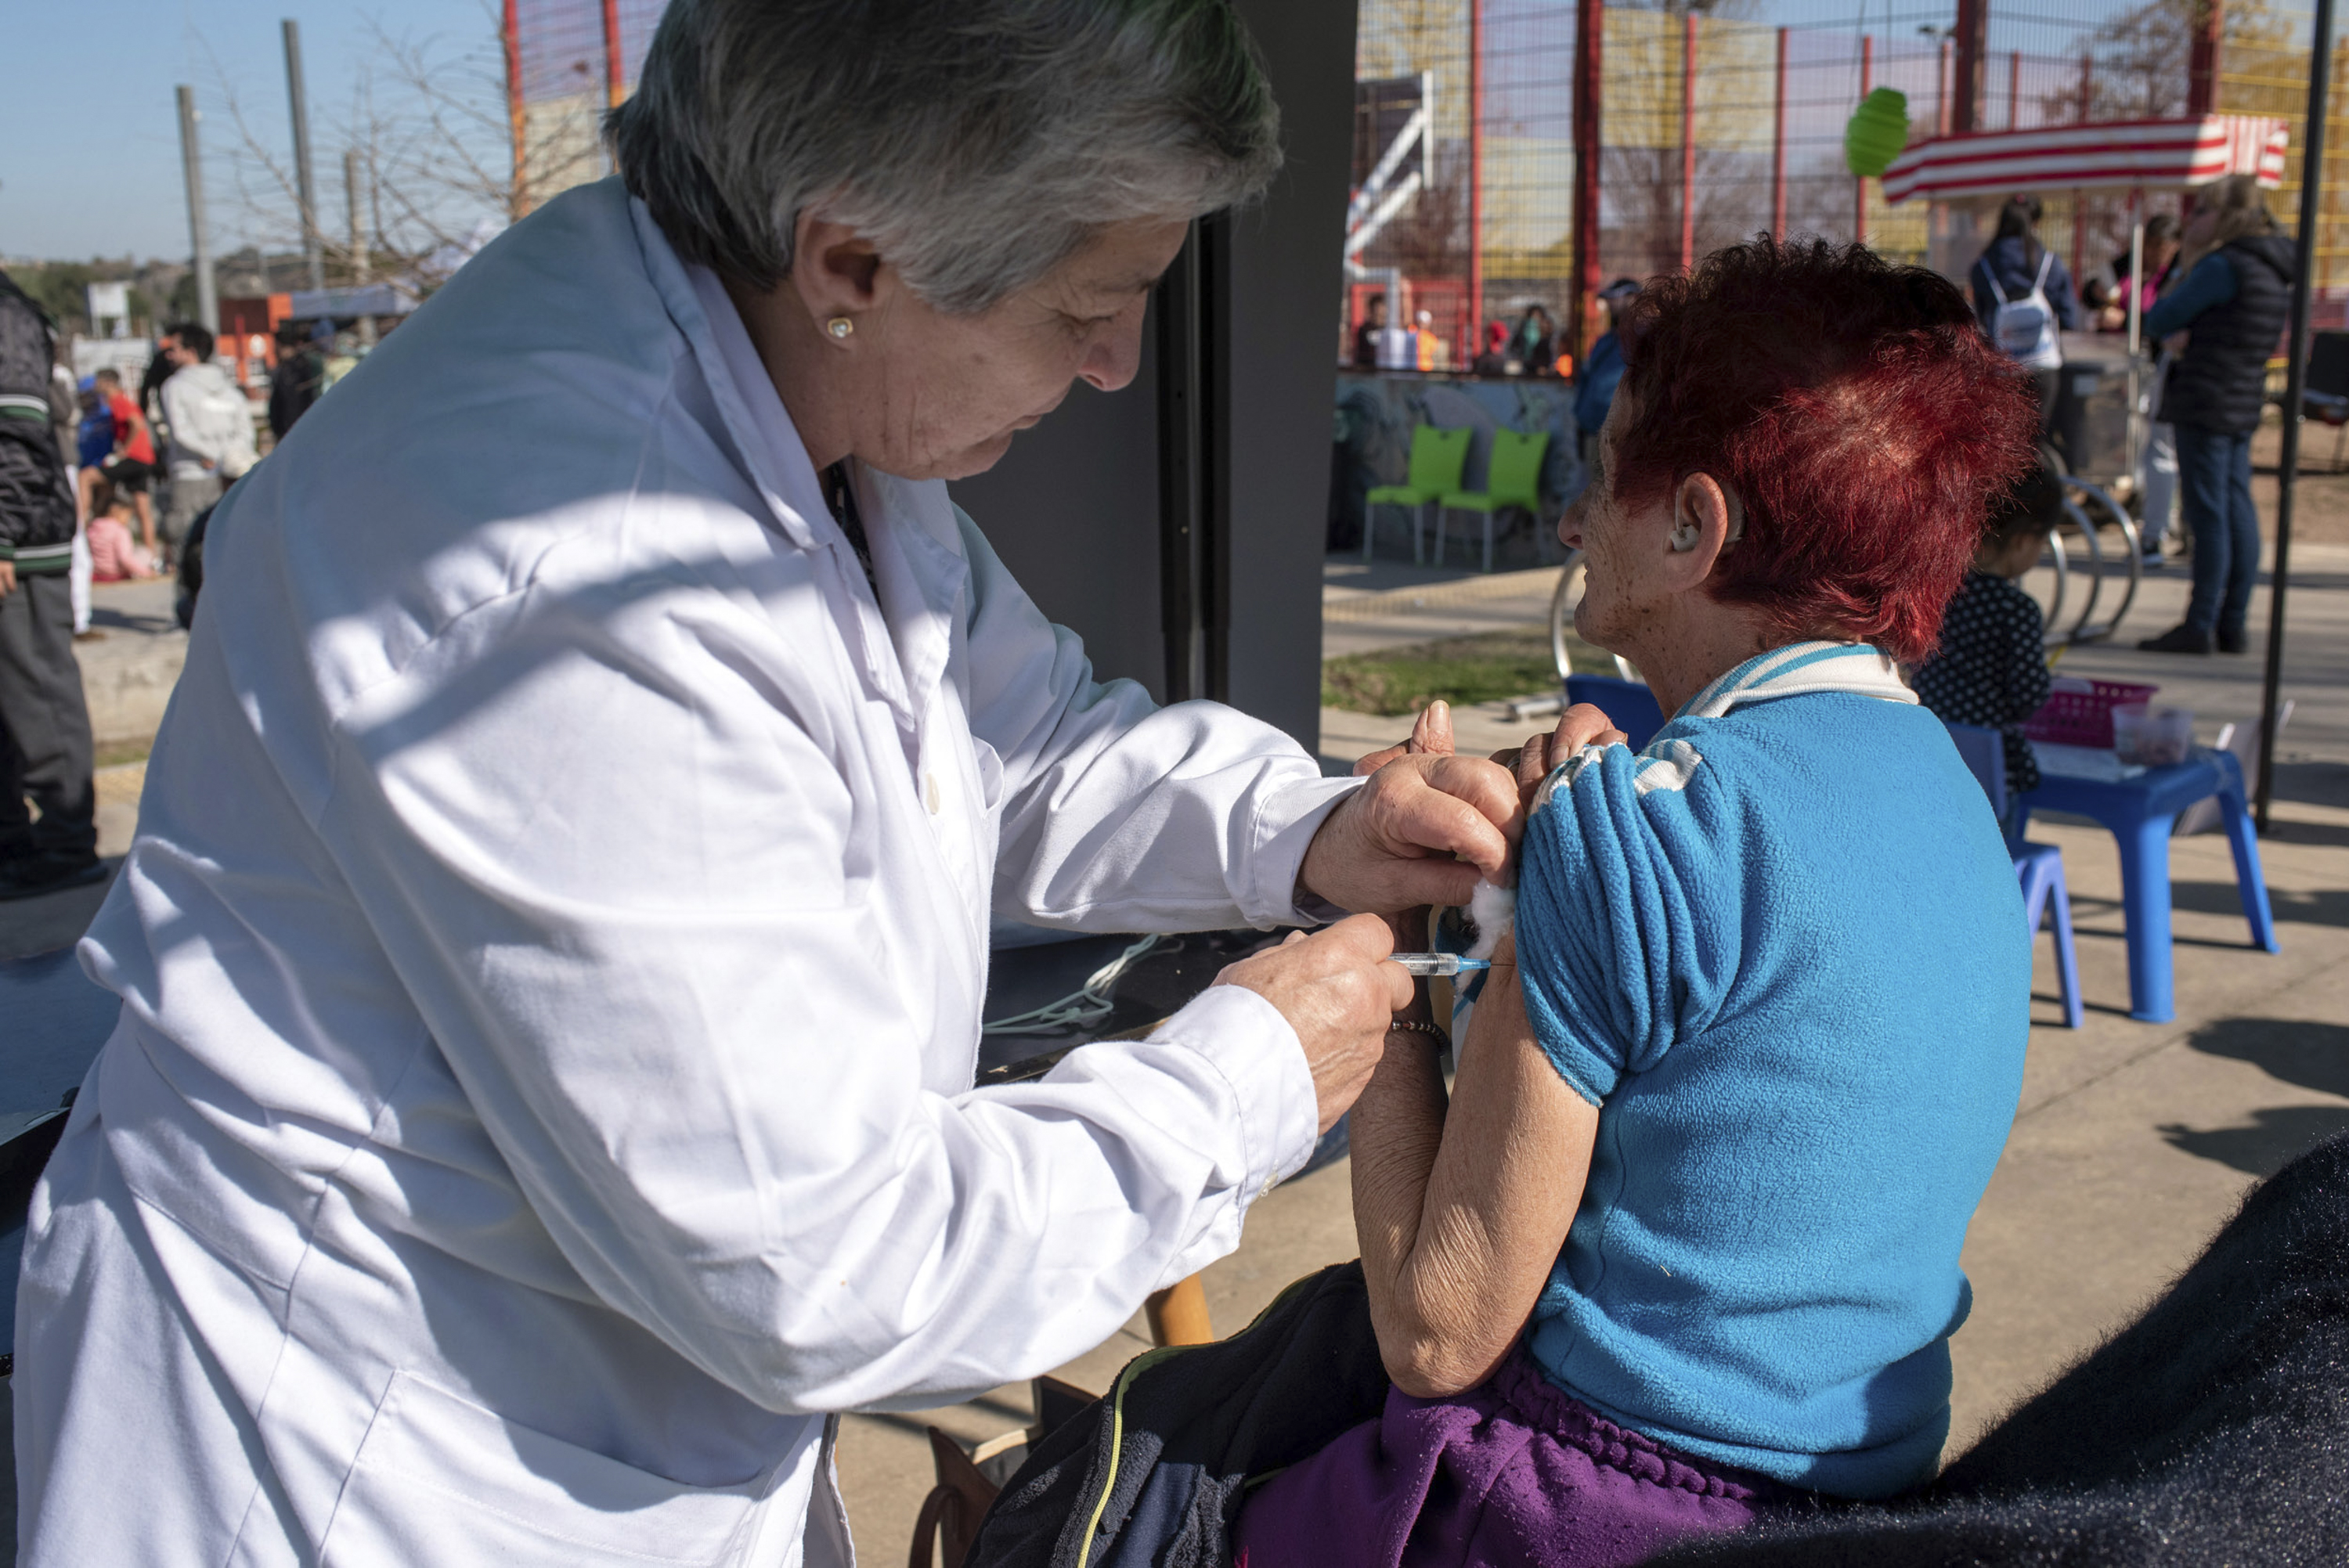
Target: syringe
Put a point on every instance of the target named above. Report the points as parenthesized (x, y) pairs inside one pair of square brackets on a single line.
[(1439, 963)]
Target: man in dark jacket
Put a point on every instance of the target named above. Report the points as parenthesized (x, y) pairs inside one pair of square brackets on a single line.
[(45, 747), (295, 384), (2233, 307)]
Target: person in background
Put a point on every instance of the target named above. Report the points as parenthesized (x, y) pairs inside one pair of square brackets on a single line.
[(1602, 367), (210, 430), (1366, 337), (1495, 360), (129, 462), (2158, 479), (65, 416), (116, 556), (1426, 348), (1531, 348), (2236, 296), (45, 745), (300, 377), (2022, 293), (1991, 667), (160, 369)]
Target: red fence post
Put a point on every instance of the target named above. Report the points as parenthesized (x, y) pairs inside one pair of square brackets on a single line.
[(1778, 146), (1859, 182), (2202, 60), (2079, 211), (2014, 90), (616, 69), (1475, 344), (1972, 35), (509, 38), (1590, 22), (1688, 141)]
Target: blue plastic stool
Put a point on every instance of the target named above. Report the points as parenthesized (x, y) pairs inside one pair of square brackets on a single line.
[(1630, 704), (2139, 812), (2039, 867)]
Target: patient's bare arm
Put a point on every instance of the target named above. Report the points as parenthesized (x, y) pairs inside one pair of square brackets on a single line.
[(1462, 1209)]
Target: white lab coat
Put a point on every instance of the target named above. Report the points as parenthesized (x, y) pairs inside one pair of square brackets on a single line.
[(551, 961)]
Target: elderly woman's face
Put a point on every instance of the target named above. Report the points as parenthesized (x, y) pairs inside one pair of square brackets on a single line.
[(950, 391), (1624, 548)]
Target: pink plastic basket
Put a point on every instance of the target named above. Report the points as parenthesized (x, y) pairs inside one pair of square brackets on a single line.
[(2084, 717)]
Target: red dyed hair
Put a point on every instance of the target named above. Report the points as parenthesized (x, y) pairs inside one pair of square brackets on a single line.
[(1856, 410)]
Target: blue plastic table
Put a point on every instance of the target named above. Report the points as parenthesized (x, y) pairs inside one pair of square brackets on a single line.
[(2139, 811)]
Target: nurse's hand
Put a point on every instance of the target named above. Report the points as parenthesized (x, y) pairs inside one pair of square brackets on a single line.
[(1422, 831), (1339, 995)]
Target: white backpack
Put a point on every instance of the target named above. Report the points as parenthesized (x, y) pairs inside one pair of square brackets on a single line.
[(2024, 329)]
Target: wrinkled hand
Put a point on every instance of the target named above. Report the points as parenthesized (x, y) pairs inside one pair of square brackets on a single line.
[(1579, 726), (1391, 844), (1337, 992)]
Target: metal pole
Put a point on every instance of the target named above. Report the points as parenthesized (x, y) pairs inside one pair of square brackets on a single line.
[(615, 79), (200, 243), (1778, 146), (1972, 35), (1476, 343), (1943, 89), (509, 39), (1589, 24), (1688, 141), (2079, 208), (2311, 200), (1859, 182), (362, 267), (2014, 90), (306, 188), (2202, 58)]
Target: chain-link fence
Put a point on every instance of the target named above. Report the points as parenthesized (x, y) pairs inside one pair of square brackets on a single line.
[(1711, 128)]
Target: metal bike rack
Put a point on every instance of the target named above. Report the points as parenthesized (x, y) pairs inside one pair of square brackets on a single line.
[(2131, 547)]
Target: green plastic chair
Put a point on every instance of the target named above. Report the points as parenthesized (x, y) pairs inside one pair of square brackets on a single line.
[(1437, 458), (1513, 479)]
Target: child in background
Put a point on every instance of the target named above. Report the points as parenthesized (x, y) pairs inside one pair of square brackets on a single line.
[(1990, 668), (114, 555)]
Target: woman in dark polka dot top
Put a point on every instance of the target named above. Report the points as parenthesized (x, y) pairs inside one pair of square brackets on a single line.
[(1992, 666)]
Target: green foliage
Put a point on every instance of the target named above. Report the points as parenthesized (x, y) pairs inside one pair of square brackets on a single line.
[(1492, 667)]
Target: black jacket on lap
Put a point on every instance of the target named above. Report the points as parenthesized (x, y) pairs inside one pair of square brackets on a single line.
[(2220, 382)]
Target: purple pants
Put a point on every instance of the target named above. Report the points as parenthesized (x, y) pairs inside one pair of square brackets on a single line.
[(1515, 1474)]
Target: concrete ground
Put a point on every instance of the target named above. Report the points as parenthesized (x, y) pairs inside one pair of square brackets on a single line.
[(2133, 1141)]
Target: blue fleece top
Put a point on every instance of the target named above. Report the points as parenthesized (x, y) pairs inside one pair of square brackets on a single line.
[(1782, 949), (1602, 372)]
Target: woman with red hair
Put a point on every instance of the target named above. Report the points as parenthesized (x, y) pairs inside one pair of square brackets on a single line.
[(1682, 1242)]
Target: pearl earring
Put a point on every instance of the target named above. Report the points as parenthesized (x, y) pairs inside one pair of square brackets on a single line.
[(840, 326)]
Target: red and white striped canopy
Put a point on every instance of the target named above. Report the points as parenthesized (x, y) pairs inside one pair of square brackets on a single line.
[(2151, 153)]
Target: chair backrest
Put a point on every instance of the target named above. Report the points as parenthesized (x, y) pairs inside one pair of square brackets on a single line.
[(2328, 364), (1984, 751), (1516, 468), (1630, 704), (1437, 458)]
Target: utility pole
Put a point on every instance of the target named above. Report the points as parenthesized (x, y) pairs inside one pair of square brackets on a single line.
[(1590, 20), (304, 187), (1972, 37), (191, 169), (361, 263)]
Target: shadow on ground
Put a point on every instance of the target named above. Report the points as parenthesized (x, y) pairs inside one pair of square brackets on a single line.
[(2312, 1056)]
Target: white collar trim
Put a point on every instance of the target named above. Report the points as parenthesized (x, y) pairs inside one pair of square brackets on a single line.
[(1799, 668)]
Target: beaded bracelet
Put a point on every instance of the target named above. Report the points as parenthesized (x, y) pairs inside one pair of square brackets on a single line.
[(1412, 1026)]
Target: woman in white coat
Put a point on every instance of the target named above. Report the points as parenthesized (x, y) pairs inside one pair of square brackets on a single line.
[(552, 953)]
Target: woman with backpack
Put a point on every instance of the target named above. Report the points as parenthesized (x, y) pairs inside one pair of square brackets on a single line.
[(2023, 294), (2236, 299)]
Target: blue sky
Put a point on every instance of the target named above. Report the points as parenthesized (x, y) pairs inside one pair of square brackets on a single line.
[(89, 140), (89, 133)]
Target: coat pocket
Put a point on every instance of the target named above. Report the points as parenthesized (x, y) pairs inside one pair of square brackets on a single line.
[(440, 1479)]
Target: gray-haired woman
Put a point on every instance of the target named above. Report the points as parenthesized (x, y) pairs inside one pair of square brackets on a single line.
[(552, 953)]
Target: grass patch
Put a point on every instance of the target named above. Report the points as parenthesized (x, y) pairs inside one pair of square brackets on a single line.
[(1490, 667), (115, 753)]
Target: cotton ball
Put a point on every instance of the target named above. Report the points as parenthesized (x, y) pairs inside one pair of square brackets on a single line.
[(1495, 911)]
